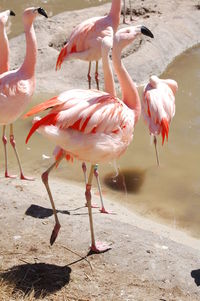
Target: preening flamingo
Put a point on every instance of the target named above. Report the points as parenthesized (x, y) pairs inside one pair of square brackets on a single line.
[(158, 107), (4, 63), (17, 86), (85, 40), (92, 125)]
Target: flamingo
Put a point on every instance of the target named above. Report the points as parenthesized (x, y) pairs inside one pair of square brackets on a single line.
[(17, 86), (85, 40), (124, 11), (4, 61), (92, 125), (158, 107)]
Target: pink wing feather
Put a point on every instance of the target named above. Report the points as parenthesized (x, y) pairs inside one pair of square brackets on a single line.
[(158, 107)]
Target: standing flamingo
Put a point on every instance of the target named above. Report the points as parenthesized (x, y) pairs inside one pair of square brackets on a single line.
[(17, 86), (4, 63), (92, 125), (85, 40), (158, 107), (4, 58)]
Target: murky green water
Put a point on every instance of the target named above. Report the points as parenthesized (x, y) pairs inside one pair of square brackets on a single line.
[(171, 193), (52, 7)]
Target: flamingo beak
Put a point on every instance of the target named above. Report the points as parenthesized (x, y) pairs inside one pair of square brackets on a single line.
[(42, 12), (146, 32), (12, 13)]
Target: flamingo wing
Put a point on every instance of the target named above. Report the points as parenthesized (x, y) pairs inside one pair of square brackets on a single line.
[(158, 107), (86, 111), (84, 38)]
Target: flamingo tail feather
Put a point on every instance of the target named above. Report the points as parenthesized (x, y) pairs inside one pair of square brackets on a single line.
[(47, 120), (165, 129)]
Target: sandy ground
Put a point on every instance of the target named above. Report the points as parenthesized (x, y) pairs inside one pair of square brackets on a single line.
[(148, 261)]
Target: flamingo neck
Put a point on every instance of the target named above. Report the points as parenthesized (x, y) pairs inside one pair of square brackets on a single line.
[(115, 13), (29, 63), (109, 85), (4, 58), (129, 90)]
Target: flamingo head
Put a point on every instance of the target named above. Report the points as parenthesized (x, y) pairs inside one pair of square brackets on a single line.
[(31, 13), (4, 17), (172, 84), (127, 35)]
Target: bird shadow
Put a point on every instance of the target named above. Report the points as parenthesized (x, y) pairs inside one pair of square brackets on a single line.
[(42, 212), (41, 279), (196, 275), (128, 181)]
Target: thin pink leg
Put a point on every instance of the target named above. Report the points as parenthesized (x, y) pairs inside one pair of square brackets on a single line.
[(89, 76), (96, 247), (155, 144), (96, 173), (84, 168), (13, 143), (4, 139), (97, 75), (45, 180)]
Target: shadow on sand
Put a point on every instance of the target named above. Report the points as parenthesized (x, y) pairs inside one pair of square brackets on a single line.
[(41, 212), (41, 278), (196, 275)]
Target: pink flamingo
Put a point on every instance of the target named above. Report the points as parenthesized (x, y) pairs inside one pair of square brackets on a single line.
[(4, 61), (92, 125), (17, 86), (158, 107), (85, 40)]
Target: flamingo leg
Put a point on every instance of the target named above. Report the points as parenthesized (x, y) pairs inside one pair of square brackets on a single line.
[(96, 173), (84, 168), (155, 143), (45, 180), (124, 13), (131, 13), (13, 143), (89, 76), (4, 139), (97, 75), (96, 247)]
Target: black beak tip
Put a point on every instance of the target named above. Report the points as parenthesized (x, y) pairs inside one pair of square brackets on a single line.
[(12, 13), (146, 32), (42, 12)]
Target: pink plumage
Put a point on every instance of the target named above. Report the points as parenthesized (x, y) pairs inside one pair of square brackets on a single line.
[(90, 125), (158, 106), (85, 41)]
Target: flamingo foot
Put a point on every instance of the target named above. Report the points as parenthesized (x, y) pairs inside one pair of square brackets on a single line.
[(103, 210), (92, 205), (99, 247), (9, 176), (54, 233), (22, 177)]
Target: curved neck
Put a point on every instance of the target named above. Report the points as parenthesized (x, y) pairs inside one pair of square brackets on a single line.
[(129, 90), (109, 85), (4, 58), (115, 13), (29, 63)]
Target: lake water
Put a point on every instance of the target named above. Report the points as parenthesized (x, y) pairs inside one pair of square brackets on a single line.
[(169, 194)]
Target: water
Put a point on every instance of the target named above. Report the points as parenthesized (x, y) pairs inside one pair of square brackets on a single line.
[(52, 7), (169, 194)]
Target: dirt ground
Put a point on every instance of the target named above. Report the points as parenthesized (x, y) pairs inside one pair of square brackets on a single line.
[(147, 261)]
